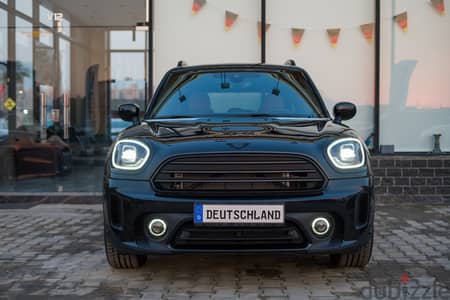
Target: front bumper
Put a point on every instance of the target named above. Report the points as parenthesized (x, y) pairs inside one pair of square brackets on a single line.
[(130, 205)]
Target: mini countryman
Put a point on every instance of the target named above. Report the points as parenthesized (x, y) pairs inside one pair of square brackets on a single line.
[(238, 158)]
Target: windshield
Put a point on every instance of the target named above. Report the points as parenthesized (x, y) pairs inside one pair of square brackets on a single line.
[(228, 94)]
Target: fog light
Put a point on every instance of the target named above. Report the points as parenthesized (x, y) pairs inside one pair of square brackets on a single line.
[(320, 226), (157, 227)]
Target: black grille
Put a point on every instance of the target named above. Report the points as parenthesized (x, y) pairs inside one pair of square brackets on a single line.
[(238, 175), (190, 236)]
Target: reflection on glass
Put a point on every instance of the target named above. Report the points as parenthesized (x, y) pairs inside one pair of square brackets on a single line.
[(128, 85), (128, 75), (415, 104), (46, 37), (66, 27), (324, 64), (3, 97), (56, 137), (25, 6), (64, 56), (3, 74), (3, 36), (45, 16), (127, 40), (24, 73)]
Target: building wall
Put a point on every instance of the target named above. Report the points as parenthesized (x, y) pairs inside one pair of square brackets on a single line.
[(201, 38), (415, 94), (343, 73), (415, 65), (412, 178)]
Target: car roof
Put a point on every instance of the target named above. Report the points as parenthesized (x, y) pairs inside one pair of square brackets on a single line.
[(236, 66)]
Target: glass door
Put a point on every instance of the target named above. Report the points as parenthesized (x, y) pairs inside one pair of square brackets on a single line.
[(128, 59)]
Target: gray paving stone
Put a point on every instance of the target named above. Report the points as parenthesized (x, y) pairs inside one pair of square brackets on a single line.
[(63, 257)]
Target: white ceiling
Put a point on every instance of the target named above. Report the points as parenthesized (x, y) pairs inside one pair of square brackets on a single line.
[(100, 12)]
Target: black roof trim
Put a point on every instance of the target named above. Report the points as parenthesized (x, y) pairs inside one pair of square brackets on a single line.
[(181, 64), (290, 62), (236, 66)]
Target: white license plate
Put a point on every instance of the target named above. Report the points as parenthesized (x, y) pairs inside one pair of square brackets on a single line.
[(238, 214)]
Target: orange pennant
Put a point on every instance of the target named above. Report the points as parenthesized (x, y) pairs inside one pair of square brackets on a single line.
[(333, 36), (197, 5), (439, 6), (402, 21), (367, 31), (36, 34), (259, 29), (297, 35), (230, 19)]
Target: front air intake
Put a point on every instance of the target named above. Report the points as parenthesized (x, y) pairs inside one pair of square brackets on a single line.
[(239, 175)]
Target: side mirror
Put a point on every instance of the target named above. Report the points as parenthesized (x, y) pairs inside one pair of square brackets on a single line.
[(129, 113), (344, 111)]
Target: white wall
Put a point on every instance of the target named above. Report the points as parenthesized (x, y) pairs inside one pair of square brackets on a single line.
[(415, 65), (342, 74), (201, 38)]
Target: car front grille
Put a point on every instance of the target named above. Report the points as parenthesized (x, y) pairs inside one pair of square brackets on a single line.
[(238, 175), (190, 236)]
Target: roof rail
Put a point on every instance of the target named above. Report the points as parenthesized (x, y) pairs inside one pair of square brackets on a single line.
[(290, 62), (181, 64)]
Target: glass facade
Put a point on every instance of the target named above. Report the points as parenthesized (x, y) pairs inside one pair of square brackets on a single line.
[(25, 7), (345, 72), (66, 66), (415, 101)]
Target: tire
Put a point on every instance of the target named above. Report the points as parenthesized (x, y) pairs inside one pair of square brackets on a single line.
[(358, 259), (121, 261)]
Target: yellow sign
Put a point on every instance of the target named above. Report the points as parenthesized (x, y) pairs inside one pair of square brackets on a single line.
[(9, 104)]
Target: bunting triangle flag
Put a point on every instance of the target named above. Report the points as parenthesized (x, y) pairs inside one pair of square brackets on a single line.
[(333, 36), (259, 29), (230, 19), (297, 35), (197, 5), (439, 6), (402, 21), (367, 30)]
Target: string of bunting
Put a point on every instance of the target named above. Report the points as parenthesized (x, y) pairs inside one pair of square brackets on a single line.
[(297, 34)]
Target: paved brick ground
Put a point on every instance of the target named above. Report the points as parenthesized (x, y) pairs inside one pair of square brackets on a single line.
[(56, 251)]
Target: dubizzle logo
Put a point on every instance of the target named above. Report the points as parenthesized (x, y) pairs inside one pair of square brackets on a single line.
[(406, 288), (404, 278)]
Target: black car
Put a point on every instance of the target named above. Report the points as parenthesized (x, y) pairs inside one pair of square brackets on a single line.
[(238, 158)]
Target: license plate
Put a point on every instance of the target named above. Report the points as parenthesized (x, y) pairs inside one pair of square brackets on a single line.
[(238, 214)]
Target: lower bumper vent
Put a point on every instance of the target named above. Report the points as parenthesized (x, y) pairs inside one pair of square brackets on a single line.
[(190, 236)]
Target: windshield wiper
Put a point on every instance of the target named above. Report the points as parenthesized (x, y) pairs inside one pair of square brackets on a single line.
[(260, 116), (175, 117), (303, 119), (275, 116)]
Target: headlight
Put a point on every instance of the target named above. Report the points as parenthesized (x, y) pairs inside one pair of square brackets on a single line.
[(347, 153), (130, 155)]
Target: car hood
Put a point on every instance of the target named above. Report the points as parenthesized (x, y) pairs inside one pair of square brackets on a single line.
[(278, 128), (169, 138)]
